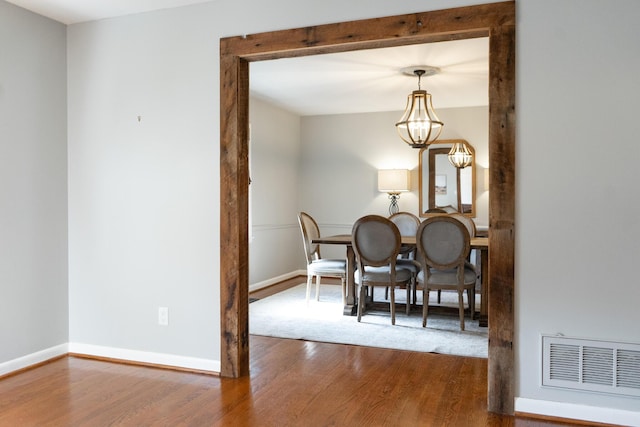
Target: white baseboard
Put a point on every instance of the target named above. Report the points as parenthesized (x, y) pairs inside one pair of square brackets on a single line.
[(578, 412), (277, 279), (170, 360), (33, 359)]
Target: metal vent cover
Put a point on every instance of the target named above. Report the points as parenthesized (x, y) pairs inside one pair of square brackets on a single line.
[(590, 365)]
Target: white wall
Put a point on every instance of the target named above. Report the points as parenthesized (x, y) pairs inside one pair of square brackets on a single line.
[(33, 184), (275, 245), (143, 183), (578, 96), (144, 196)]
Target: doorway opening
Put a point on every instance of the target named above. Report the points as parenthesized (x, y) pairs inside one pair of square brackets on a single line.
[(497, 21)]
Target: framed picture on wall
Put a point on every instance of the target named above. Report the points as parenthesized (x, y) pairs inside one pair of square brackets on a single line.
[(441, 184)]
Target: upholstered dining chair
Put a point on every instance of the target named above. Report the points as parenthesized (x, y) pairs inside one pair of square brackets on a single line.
[(435, 210), (467, 222), (444, 244), (407, 224), (376, 243), (318, 267), (471, 228)]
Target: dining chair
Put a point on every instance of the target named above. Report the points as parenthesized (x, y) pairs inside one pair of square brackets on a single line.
[(318, 267), (407, 224), (467, 222), (444, 244), (435, 210), (376, 242), (471, 228)]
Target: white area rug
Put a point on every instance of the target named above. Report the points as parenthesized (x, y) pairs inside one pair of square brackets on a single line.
[(287, 315)]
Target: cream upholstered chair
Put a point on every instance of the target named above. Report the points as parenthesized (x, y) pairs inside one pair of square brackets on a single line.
[(316, 265), (443, 244), (376, 243)]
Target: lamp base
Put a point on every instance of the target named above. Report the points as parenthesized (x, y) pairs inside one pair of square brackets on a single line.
[(393, 207)]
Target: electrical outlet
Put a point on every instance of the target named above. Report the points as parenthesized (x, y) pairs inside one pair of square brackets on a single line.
[(163, 316)]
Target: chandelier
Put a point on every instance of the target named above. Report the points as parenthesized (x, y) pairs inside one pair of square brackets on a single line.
[(419, 125), (460, 156)]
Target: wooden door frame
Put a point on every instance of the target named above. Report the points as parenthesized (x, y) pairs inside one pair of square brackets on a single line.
[(495, 20)]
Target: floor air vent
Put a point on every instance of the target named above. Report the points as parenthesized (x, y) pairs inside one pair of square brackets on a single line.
[(598, 366)]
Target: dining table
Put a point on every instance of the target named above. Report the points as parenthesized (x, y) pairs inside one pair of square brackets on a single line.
[(481, 244)]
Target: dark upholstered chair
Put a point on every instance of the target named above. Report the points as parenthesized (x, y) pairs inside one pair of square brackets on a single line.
[(407, 224), (444, 244), (376, 243)]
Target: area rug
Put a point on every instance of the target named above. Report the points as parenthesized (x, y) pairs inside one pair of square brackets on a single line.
[(287, 315)]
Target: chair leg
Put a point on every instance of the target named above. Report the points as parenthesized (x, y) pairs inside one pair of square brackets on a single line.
[(409, 298), (317, 288), (415, 291), (439, 293), (344, 291), (471, 296), (425, 306), (361, 301), (309, 280), (461, 309), (393, 305)]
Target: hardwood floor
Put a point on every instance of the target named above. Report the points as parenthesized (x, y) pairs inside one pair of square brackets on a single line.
[(292, 383)]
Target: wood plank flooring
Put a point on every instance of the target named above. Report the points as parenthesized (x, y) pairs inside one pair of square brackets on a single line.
[(292, 383)]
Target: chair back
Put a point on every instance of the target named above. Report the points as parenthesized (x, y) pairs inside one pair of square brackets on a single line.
[(443, 242), (436, 210), (310, 230), (407, 224), (376, 241), (468, 223)]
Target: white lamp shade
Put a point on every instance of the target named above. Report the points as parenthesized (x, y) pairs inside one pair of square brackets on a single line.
[(394, 180)]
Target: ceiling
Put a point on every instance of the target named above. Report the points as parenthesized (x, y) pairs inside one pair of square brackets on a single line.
[(75, 11), (341, 83), (372, 80)]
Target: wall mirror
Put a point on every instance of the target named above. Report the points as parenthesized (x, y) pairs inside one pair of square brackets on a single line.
[(444, 186)]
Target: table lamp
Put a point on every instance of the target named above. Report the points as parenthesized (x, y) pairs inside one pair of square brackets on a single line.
[(393, 182)]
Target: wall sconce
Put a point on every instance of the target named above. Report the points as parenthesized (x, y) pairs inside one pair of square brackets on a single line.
[(393, 182)]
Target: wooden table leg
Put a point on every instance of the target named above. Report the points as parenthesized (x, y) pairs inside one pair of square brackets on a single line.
[(350, 308), (484, 296)]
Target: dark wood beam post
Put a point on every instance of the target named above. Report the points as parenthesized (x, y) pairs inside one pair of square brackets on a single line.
[(234, 199), (501, 218)]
